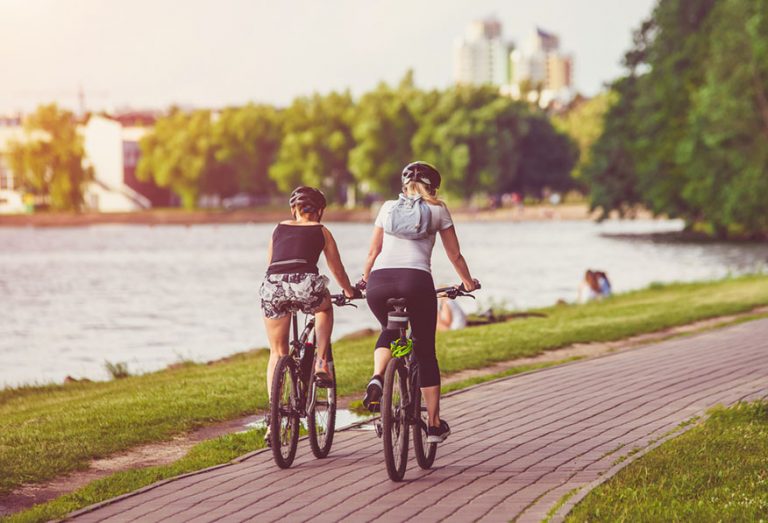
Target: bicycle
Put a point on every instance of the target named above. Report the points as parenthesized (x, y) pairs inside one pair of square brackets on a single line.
[(297, 393), (401, 400)]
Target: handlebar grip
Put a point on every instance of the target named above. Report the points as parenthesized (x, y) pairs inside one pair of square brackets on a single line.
[(477, 286)]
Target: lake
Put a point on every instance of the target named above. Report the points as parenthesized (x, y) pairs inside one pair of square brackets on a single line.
[(73, 298)]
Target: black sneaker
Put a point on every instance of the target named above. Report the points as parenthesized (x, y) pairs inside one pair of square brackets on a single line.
[(372, 398), (438, 434)]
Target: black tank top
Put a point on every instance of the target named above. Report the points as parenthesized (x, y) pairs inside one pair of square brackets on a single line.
[(296, 248)]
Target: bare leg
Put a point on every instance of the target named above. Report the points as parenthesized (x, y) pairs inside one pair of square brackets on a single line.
[(277, 332), (324, 327), (381, 357), (432, 399)]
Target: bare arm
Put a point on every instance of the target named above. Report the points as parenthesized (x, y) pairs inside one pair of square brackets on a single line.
[(333, 258), (373, 251), (452, 249)]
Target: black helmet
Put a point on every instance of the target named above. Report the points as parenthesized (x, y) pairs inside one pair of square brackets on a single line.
[(421, 172), (307, 199)]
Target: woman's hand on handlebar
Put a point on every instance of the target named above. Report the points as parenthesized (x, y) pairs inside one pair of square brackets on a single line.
[(470, 285), (353, 293)]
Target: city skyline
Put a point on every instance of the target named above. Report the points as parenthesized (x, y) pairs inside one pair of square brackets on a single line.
[(148, 55)]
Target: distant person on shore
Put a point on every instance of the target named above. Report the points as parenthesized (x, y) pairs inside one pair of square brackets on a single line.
[(399, 266), (293, 283), (450, 315), (594, 286), (604, 283)]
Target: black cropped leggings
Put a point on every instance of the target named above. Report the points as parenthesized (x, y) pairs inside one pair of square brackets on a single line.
[(418, 289)]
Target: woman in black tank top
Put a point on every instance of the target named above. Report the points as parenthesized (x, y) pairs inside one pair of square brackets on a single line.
[(292, 282)]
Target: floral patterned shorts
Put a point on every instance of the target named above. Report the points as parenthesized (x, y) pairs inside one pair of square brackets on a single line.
[(283, 294)]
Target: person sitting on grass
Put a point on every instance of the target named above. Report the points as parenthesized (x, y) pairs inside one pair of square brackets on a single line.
[(293, 282), (450, 315)]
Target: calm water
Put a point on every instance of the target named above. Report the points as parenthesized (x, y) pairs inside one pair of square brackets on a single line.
[(73, 298)]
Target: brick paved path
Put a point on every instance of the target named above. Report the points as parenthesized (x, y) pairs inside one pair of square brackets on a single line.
[(518, 445)]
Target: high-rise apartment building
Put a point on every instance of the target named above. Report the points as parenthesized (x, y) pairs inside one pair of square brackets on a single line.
[(538, 71), (480, 57), (541, 68)]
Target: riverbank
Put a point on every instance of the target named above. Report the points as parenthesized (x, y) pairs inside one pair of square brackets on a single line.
[(273, 215), (46, 432)]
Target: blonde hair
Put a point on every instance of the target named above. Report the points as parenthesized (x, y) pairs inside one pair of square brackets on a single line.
[(414, 188)]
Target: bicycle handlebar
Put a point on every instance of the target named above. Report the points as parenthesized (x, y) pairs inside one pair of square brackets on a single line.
[(456, 291), (341, 300)]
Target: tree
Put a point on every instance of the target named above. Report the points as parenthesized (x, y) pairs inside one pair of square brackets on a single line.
[(725, 153), (547, 159), (610, 172), (316, 145), (383, 127), (473, 135), (675, 53), (178, 154), (245, 142), (49, 162), (584, 123)]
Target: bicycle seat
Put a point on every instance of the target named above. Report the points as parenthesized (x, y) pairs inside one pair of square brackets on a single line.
[(396, 302)]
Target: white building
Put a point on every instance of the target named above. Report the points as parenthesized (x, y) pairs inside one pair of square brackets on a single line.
[(480, 57), (11, 200), (111, 149), (541, 70), (105, 141)]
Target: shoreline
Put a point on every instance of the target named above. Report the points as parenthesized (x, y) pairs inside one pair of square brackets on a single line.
[(152, 217)]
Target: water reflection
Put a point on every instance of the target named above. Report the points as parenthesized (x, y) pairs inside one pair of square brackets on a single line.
[(344, 418)]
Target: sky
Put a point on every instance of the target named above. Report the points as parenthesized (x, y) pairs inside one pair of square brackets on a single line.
[(212, 53)]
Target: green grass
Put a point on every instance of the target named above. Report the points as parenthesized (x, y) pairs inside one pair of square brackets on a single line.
[(206, 454), (717, 471), (51, 430)]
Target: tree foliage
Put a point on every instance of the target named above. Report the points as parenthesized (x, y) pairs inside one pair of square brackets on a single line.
[(688, 136), (316, 145), (178, 154), (482, 143), (49, 161), (383, 127)]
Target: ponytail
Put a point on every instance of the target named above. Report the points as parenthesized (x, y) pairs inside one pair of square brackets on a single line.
[(415, 188)]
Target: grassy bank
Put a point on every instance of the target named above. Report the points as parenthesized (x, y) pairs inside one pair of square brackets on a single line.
[(49, 431), (717, 471), (207, 454)]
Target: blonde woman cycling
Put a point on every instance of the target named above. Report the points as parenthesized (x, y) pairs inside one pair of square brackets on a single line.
[(399, 266)]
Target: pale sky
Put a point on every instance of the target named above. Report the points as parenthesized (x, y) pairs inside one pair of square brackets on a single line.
[(152, 53)]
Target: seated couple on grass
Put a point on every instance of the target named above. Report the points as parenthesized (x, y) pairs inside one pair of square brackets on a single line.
[(398, 266)]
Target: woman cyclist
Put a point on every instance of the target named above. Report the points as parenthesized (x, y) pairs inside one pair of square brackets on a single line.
[(399, 267), (292, 282)]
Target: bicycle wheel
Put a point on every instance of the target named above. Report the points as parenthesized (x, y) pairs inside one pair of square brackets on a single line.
[(425, 452), (284, 418), (394, 424), (321, 416)]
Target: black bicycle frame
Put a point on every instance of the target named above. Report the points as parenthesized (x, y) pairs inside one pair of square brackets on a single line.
[(412, 371)]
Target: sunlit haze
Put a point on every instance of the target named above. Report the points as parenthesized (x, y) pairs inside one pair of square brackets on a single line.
[(149, 54)]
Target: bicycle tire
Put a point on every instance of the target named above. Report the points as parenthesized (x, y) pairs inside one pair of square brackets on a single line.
[(284, 418), (425, 452), (394, 419), (321, 434)]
